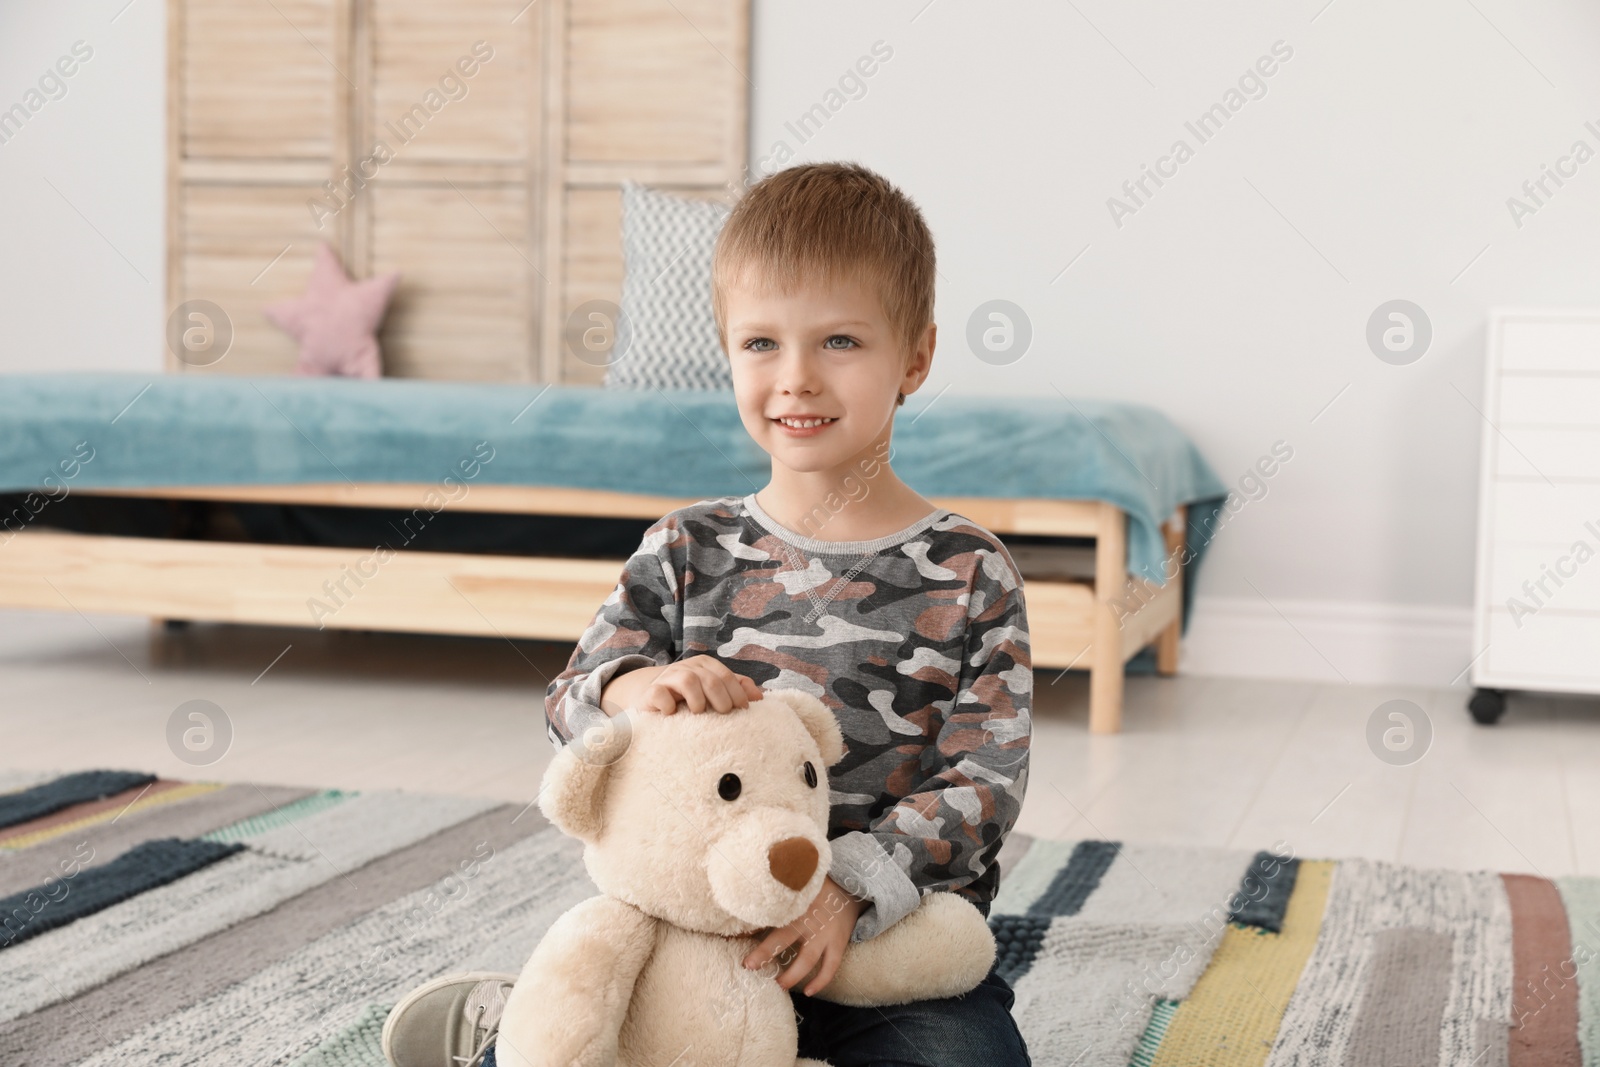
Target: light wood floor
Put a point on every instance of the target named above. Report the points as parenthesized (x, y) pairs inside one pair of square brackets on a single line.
[(1201, 761)]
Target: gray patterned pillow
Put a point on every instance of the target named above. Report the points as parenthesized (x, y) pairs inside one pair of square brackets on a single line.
[(667, 243)]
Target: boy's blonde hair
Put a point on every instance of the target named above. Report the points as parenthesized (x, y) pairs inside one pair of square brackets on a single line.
[(829, 222)]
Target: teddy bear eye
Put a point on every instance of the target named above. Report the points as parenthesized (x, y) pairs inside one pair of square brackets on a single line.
[(811, 774), (728, 788)]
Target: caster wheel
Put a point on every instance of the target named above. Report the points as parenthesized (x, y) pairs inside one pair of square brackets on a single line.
[(1487, 705)]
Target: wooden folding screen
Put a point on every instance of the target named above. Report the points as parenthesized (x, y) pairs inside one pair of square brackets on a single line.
[(477, 146)]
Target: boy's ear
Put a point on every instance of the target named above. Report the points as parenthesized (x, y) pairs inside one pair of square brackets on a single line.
[(573, 793), (819, 721)]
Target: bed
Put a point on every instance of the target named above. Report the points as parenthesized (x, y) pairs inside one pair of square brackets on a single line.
[(1102, 501)]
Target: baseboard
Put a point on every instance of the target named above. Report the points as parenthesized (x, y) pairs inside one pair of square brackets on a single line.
[(1328, 641)]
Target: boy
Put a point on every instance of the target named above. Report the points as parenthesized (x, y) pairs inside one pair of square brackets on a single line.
[(905, 618)]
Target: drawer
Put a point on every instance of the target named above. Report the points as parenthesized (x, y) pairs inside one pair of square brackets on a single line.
[(1547, 400), (1539, 511), (1550, 344), (1054, 563), (1512, 565), (1550, 649), (1554, 453)]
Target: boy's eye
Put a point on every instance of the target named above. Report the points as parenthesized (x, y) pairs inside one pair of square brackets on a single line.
[(849, 342), (758, 344)]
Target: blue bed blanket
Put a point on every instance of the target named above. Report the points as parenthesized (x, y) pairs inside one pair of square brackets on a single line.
[(139, 431)]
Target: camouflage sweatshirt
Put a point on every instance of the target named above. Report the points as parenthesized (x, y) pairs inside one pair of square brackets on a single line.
[(917, 640)]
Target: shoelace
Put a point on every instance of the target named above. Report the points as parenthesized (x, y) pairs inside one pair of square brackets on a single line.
[(489, 1034), (489, 1031)]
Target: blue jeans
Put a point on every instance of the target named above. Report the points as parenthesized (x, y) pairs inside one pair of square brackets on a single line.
[(972, 1030)]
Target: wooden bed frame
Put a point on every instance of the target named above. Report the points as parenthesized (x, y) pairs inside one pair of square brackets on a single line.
[(1083, 623)]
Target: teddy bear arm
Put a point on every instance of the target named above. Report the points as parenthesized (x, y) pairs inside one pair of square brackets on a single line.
[(942, 949), (567, 1006)]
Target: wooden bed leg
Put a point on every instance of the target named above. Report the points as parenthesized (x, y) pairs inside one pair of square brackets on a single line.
[(163, 652), (1167, 648), (1110, 581), (1167, 643)]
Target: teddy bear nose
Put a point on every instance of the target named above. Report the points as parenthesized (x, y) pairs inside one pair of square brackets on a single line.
[(793, 860)]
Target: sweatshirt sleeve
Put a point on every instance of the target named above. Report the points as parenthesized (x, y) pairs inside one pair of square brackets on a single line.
[(948, 830), (638, 625)]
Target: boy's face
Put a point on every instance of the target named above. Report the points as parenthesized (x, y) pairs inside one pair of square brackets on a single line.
[(825, 350)]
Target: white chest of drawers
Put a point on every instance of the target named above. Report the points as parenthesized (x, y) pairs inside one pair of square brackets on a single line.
[(1537, 611)]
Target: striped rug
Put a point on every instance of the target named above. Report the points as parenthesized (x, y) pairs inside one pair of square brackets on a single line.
[(1170, 957), (154, 921)]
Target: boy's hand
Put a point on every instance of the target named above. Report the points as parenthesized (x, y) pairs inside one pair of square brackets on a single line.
[(822, 933), (701, 682)]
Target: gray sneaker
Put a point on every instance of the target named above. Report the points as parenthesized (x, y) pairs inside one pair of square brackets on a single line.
[(448, 1022)]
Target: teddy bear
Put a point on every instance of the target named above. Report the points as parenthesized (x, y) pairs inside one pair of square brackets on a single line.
[(704, 831)]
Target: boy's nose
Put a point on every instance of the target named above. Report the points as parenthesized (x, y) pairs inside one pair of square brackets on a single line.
[(793, 860)]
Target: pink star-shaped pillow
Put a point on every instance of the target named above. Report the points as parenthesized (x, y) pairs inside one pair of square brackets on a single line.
[(336, 321)]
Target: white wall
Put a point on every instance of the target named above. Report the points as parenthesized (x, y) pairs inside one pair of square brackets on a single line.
[(1377, 166), (1390, 140), (81, 245)]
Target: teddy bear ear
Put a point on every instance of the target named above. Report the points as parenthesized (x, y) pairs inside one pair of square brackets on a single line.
[(572, 794), (819, 721)]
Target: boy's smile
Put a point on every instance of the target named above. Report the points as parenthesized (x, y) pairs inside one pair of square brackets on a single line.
[(804, 425)]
